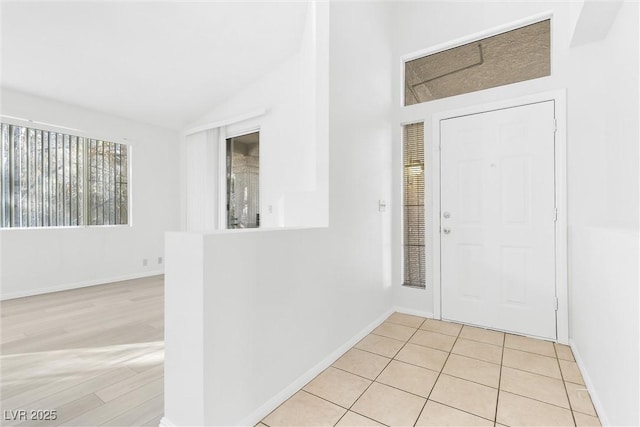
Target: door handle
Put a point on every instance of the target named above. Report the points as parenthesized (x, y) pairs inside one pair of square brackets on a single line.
[(446, 230)]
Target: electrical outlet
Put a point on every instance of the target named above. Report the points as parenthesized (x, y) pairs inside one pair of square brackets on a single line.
[(145, 262), (159, 260)]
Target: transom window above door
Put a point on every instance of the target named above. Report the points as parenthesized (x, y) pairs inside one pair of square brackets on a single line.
[(509, 57)]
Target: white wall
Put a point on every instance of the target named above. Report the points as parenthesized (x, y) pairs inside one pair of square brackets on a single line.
[(70, 257), (295, 297), (603, 222), (293, 160), (202, 155), (601, 79)]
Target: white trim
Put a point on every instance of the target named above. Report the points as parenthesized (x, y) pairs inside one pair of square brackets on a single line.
[(256, 416), (77, 285), (562, 252), (222, 165), (244, 131), (225, 122), (51, 127), (165, 422), (21, 121), (413, 312), (595, 399), (400, 148), (559, 97), (478, 36), (130, 184), (435, 218), (222, 178)]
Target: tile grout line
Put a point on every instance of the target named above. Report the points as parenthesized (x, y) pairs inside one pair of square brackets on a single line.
[(385, 367), (440, 372), (438, 377), (495, 416), (564, 385)]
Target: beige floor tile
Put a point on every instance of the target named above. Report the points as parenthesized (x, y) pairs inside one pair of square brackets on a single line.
[(422, 356), (583, 420), (433, 340), (516, 410), (474, 370), (482, 335), (392, 330), (387, 347), (531, 362), (304, 409), (362, 363), (564, 352), (466, 396), (532, 345), (411, 378), (571, 372), (435, 414), (580, 399), (539, 387), (478, 350), (351, 419), (389, 406), (442, 327), (406, 320), (337, 386)]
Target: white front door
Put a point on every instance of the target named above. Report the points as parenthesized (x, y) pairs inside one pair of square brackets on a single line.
[(498, 219)]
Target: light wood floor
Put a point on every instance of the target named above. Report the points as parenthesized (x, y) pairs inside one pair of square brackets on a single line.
[(94, 355)]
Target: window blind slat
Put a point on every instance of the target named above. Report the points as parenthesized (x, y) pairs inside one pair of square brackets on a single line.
[(45, 181), (413, 205)]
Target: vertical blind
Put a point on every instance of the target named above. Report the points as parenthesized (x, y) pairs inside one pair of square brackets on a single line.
[(413, 205), (45, 182)]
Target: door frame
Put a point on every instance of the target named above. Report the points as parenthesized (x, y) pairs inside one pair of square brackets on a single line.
[(560, 166)]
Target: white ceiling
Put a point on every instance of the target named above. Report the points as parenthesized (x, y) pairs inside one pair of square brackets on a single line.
[(164, 63)]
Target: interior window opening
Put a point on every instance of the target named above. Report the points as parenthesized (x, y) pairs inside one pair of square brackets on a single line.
[(243, 181)]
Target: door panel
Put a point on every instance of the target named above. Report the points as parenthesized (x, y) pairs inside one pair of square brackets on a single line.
[(498, 190)]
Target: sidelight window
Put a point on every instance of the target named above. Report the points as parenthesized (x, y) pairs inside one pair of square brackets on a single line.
[(413, 205)]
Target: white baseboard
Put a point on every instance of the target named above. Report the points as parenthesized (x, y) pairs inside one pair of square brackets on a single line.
[(77, 285), (257, 415), (413, 312), (164, 422), (597, 403)]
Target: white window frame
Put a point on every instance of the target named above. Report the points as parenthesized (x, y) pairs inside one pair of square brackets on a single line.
[(472, 38), (49, 127)]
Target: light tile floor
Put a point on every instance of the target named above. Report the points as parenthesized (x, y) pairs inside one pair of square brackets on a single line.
[(412, 371)]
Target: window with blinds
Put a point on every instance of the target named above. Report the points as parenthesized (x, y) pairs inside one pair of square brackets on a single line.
[(46, 181), (413, 205), (107, 183)]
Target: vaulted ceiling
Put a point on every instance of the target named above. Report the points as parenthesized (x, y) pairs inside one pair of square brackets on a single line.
[(164, 63)]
